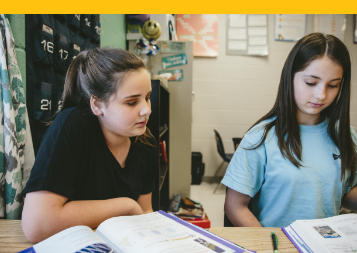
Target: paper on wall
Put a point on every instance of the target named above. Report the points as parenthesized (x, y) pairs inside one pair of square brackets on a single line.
[(258, 50), (237, 33), (257, 31), (237, 45), (237, 20), (257, 20), (257, 40), (334, 24), (289, 27), (250, 39)]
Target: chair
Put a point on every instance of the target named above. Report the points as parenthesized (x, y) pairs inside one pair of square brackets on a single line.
[(236, 142), (226, 157)]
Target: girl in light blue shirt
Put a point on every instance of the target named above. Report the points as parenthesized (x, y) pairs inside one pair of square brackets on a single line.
[(299, 160)]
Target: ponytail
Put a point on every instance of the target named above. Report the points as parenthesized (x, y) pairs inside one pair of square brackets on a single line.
[(73, 93)]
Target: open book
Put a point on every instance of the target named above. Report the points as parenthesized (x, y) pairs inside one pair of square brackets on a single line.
[(157, 232), (337, 234)]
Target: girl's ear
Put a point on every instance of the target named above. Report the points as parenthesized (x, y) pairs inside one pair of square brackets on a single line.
[(96, 106)]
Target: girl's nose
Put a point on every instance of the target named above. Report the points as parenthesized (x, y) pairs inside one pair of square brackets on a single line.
[(320, 92), (146, 109)]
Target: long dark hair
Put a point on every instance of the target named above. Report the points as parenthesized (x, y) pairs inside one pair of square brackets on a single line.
[(98, 72), (307, 49)]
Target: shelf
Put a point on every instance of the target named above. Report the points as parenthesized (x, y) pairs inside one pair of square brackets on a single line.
[(162, 130), (163, 172), (133, 36), (163, 81)]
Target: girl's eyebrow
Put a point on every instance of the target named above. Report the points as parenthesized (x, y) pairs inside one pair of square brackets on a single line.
[(133, 96), (138, 95), (336, 79)]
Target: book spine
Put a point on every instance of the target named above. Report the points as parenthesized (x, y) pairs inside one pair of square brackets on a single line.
[(29, 250), (293, 241), (205, 233), (163, 151)]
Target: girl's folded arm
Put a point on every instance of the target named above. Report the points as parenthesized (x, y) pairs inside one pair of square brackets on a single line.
[(237, 211), (46, 213), (349, 201), (144, 201)]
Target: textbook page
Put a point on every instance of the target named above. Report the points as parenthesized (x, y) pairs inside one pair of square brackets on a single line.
[(336, 234), (156, 233), (74, 239)]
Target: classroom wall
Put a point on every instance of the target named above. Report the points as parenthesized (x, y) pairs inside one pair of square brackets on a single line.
[(233, 92), (112, 30)]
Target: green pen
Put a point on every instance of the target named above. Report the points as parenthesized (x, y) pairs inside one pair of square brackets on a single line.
[(275, 242)]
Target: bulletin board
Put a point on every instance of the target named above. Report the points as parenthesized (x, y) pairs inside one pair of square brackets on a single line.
[(52, 42), (202, 29), (247, 34)]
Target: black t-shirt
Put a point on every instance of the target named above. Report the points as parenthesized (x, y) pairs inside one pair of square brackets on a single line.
[(74, 161)]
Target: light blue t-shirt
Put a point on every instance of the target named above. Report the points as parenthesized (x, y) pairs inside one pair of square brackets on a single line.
[(282, 192)]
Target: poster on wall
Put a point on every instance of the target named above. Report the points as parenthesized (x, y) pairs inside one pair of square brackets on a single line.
[(247, 34), (173, 61), (172, 47), (173, 75), (334, 24), (202, 29), (289, 27)]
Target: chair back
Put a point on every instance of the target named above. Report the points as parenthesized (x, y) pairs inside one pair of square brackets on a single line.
[(220, 147), (236, 142)]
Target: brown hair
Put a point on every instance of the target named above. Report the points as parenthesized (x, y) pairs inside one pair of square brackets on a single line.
[(98, 72), (307, 49)]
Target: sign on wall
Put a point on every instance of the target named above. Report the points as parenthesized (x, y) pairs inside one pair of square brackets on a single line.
[(173, 61)]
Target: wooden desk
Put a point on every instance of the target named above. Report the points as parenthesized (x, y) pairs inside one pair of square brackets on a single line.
[(257, 239), (12, 239)]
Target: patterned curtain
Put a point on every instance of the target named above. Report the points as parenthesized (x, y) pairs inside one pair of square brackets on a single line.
[(15, 161)]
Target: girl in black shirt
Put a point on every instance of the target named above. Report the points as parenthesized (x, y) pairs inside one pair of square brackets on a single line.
[(97, 160)]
